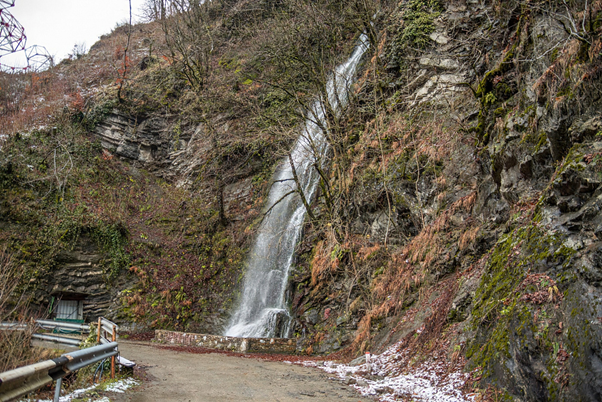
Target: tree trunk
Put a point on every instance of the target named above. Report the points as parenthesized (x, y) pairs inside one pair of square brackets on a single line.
[(220, 202)]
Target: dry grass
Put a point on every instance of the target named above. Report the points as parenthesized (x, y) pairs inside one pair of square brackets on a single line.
[(468, 237), (570, 70), (409, 269), (15, 346), (554, 78), (27, 101), (325, 260)]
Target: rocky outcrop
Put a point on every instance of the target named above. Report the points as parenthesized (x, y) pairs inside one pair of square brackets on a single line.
[(176, 153), (156, 143), (80, 275), (501, 235)]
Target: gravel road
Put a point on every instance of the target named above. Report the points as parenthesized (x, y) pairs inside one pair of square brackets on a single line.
[(215, 377)]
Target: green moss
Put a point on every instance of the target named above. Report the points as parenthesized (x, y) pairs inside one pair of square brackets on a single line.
[(572, 161), (98, 112), (486, 93), (112, 240), (499, 315), (419, 18), (500, 112), (487, 83), (503, 91), (567, 91), (541, 141), (489, 99)]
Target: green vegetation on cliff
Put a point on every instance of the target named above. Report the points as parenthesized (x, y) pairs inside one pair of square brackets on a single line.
[(459, 202)]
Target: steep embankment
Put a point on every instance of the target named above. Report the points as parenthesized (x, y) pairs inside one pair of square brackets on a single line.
[(133, 177), (466, 212), (458, 212)]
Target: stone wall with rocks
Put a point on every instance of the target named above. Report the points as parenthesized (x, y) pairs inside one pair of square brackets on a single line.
[(79, 275), (243, 345)]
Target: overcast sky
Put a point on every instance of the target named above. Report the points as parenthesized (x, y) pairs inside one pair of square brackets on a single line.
[(60, 24)]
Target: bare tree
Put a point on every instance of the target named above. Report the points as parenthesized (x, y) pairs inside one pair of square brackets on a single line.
[(154, 10), (125, 56), (189, 34), (78, 51), (14, 344)]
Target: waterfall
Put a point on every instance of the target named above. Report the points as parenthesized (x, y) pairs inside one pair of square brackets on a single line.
[(262, 311)]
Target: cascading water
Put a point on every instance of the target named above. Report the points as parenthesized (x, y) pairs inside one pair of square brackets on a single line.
[(262, 311)]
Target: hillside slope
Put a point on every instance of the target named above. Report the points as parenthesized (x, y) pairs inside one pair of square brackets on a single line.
[(459, 212), (469, 195)]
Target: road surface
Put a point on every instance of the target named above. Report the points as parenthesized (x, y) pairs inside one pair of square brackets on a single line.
[(215, 377)]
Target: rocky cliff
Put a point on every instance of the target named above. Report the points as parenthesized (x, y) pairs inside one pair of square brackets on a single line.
[(470, 204), (459, 210)]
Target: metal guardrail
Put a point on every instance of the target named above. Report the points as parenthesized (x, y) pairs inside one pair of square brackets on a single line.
[(47, 325), (21, 381), (50, 325), (69, 326), (57, 339), (107, 329), (13, 326)]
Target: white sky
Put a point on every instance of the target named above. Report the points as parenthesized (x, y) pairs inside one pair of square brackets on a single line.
[(60, 24)]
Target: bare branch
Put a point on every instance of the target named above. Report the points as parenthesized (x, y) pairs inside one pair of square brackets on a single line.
[(300, 189), (125, 56), (276, 203)]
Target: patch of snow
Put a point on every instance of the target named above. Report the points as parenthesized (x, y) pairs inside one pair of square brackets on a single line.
[(68, 398), (120, 387), (386, 378)]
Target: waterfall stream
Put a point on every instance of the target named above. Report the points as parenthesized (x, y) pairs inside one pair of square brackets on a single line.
[(262, 311)]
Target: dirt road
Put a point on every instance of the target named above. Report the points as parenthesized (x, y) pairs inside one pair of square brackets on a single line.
[(180, 376)]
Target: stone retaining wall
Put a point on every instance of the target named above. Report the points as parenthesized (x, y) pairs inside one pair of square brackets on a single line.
[(244, 345)]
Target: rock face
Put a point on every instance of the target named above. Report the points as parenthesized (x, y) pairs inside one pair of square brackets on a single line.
[(156, 143), (491, 233), (525, 255), (174, 152), (80, 276)]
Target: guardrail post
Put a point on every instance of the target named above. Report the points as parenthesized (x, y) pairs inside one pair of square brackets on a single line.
[(98, 331), (24, 380), (113, 357), (57, 389)]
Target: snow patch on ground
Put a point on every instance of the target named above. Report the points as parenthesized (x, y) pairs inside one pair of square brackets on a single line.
[(390, 379), (122, 385), (68, 398), (118, 386)]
